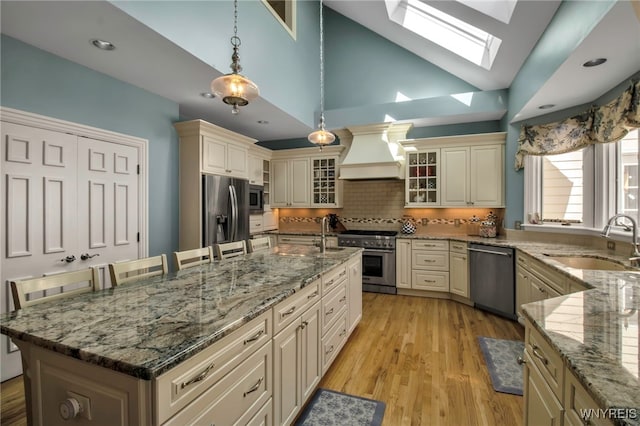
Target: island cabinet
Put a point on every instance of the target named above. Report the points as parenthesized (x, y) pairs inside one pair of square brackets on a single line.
[(334, 312), (354, 292), (296, 352)]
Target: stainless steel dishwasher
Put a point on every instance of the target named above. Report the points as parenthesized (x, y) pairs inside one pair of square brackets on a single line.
[(492, 279)]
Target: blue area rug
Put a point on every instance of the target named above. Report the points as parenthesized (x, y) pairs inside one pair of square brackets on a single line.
[(328, 408), (501, 357)]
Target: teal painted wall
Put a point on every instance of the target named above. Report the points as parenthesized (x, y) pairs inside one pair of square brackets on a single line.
[(571, 24), (36, 81), (283, 68)]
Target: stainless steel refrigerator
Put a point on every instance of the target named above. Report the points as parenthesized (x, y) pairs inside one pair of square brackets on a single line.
[(226, 209)]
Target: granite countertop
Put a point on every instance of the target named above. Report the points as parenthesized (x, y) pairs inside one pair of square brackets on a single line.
[(144, 329), (595, 331)]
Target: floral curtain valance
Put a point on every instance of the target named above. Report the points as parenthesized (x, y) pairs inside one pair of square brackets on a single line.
[(600, 124)]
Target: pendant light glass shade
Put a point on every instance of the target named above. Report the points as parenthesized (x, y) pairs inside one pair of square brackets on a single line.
[(321, 136), (235, 89)]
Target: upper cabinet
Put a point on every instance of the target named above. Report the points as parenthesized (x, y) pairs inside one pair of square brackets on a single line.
[(304, 177), (467, 171), (223, 158)]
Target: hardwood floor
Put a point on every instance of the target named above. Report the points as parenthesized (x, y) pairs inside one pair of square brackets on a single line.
[(420, 356)]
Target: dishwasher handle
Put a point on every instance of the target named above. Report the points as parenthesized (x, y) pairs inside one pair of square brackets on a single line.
[(489, 252)]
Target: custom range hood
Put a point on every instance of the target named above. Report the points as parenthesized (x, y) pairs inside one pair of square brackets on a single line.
[(373, 151)]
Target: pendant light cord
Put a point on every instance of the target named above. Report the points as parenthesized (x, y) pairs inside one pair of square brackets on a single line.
[(321, 68)]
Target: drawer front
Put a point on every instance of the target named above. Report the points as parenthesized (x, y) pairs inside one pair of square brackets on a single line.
[(240, 394), (333, 342), (182, 384), (430, 260), (577, 401), (334, 277), (553, 279), (427, 280), (522, 259), (430, 245), (333, 304), (546, 359), (458, 247), (262, 418), (292, 307), (297, 239), (255, 224)]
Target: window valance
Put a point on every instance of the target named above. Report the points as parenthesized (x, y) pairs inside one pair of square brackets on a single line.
[(600, 124)]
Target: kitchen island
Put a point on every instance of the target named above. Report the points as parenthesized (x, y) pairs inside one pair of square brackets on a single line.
[(146, 352)]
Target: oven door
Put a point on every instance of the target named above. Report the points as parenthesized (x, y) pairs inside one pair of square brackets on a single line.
[(379, 267)]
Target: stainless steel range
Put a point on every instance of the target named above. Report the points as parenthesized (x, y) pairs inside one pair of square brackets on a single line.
[(378, 258)]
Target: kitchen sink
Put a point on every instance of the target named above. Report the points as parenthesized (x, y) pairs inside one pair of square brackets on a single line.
[(586, 262)]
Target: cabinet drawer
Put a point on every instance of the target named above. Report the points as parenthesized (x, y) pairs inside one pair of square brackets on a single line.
[(262, 418), (552, 278), (297, 239), (333, 342), (522, 259), (458, 247), (430, 244), (240, 394), (255, 224), (179, 386), (291, 308), (427, 280), (334, 277), (576, 399), (430, 260), (546, 359), (333, 305)]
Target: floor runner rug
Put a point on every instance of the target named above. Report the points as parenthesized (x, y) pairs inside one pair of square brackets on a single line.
[(501, 357), (329, 407)]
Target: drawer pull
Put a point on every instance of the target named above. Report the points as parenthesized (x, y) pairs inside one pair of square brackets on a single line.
[(344, 299), (342, 274), (430, 281), (539, 355), (343, 332), (254, 387), (328, 351), (328, 283), (304, 325), (312, 295), (542, 290), (289, 312), (200, 377), (329, 312), (429, 260), (521, 360), (254, 337)]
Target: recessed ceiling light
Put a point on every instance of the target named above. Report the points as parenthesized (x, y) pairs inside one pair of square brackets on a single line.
[(594, 62), (546, 106), (103, 44), (207, 95), (263, 122)]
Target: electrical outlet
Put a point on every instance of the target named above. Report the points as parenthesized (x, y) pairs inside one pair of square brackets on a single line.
[(425, 221), (611, 245), (518, 225)]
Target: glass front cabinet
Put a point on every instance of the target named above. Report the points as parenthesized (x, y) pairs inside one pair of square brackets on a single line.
[(324, 182), (422, 183)]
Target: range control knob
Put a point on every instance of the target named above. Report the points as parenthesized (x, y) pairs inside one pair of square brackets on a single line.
[(69, 408)]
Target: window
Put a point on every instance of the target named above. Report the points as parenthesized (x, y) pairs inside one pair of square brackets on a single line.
[(585, 188), (285, 12)]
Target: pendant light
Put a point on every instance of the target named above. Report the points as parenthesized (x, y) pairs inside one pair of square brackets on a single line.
[(321, 137), (235, 89)]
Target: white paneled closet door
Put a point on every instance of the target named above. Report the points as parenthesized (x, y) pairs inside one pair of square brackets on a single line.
[(69, 202)]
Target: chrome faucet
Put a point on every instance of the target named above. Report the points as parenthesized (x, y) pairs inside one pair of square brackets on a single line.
[(635, 255)]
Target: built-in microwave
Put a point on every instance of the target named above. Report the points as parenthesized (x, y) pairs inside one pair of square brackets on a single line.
[(256, 199)]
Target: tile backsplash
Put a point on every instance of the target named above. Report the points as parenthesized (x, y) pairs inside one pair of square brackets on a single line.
[(379, 204)]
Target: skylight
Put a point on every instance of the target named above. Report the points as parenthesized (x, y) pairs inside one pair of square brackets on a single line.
[(459, 37)]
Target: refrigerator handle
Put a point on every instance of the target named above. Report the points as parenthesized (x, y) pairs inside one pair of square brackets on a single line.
[(234, 213)]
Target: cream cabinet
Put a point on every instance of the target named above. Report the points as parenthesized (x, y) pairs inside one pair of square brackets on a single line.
[(403, 263), (473, 176), (430, 265), (354, 292), (205, 148), (461, 171), (458, 269), (256, 224), (290, 185), (224, 158), (270, 220), (255, 173), (536, 281), (325, 186)]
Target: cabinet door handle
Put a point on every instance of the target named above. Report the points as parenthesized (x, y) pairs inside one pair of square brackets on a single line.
[(521, 360), (200, 377), (289, 312), (328, 351), (312, 295), (254, 387), (542, 290), (539, 355), (254, 337)]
